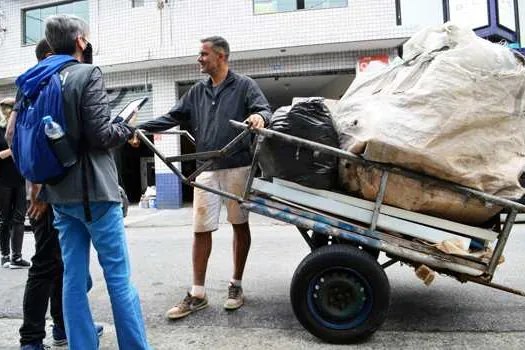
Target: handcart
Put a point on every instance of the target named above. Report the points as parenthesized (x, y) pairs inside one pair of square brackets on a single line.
[(340, 292)]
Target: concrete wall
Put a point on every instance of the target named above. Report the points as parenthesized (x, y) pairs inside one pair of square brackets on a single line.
[(337, 87), (122, 34)]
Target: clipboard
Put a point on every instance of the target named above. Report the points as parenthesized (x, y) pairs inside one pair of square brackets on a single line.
[(127, 112)]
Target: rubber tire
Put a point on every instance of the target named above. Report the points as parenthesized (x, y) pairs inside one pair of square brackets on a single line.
[(349, 257), (374, 253), (124, 201)]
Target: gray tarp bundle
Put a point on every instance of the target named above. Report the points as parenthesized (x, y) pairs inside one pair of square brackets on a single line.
[(452, 108)]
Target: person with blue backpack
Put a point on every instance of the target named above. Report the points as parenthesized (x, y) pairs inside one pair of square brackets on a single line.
[(84, 196), (44, 279)]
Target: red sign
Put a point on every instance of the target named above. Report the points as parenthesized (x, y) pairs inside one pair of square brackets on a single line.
[(373, 63)]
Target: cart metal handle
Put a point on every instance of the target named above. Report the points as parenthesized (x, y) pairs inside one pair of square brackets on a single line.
[(208, 156), (184, 133)]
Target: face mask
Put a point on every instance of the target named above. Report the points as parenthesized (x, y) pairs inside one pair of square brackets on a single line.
[(88, 54)]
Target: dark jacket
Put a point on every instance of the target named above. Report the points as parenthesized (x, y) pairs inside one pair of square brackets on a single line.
[(9, 175), (87, 115), (207, 114)]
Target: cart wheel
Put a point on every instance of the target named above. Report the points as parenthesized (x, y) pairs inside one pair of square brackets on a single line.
[(374, 253), (319, 239), (340, 294)]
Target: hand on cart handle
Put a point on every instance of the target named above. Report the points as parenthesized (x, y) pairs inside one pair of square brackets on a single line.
[(255, 121)]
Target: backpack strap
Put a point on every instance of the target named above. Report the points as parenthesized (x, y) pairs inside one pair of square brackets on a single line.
[(86, 71)]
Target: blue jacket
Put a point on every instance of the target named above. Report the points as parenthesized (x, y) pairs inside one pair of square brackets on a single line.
[(29, 82)]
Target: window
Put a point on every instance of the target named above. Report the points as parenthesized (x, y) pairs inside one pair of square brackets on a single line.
[(472, 13), (507, 14), (137, 3), (420, 13), (273, 6), (33, 19)]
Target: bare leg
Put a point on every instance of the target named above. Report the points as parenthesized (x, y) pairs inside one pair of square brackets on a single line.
[(201, 252), (241, 247)]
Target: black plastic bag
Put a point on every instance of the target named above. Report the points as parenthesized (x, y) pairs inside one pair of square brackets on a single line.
[(310, 120)]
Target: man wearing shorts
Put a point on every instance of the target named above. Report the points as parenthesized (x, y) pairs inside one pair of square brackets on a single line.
[(207, 108)]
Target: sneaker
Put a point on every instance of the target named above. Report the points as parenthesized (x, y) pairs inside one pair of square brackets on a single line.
[(235, 297), (19, 263), (35, 346), (6, 261), (60, 338), (186, 307)]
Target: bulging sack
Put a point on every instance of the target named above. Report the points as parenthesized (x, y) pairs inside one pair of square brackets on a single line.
[(454, 109), (414, 195)]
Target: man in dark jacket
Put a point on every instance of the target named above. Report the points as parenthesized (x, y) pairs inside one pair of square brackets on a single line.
[(207, 108), (86, 200)]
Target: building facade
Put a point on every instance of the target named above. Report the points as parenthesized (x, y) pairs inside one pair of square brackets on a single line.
[(291, 47)]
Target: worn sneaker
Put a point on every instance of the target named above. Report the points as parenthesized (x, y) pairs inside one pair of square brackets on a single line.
[(187, 306), (35, 346), (235, 297), (60, 338), (19, 263), (6, 261)]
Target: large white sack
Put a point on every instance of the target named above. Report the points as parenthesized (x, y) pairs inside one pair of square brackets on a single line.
[(453, 109)]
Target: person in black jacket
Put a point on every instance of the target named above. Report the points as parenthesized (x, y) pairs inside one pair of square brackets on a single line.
[(207, 108), (86, 201), (12, 198)]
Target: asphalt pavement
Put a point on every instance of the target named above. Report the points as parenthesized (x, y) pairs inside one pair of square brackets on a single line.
[(445, 315)]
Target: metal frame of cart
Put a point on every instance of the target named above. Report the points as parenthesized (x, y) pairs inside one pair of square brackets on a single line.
[(340, 292)]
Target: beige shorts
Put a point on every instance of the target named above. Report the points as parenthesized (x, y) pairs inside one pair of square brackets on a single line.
[(207, 205)]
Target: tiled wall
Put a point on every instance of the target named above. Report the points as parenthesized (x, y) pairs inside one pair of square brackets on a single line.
[(122, 34)]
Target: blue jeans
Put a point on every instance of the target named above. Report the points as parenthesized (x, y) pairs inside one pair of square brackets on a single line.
[(106, 231)]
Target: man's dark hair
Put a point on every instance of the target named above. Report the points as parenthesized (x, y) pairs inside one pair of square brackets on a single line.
[(42, 50), (62, 32), (218, 44)]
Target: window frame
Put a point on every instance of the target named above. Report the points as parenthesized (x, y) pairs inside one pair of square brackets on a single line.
[(298, 9), (446, 17), (134, 6), (40, 7), (446, 13)]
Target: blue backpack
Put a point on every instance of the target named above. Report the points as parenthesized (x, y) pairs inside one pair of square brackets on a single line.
[(40, 94)]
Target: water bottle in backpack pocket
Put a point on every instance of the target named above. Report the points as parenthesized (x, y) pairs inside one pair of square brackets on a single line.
[(59, 142)]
